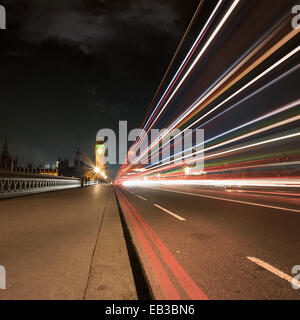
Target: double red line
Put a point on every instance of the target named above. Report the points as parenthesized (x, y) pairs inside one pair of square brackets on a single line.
[(167, 287)]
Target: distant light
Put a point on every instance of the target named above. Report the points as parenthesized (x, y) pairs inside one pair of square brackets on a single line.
[(139, 170), (97, 170), (187, 171), (260, 182)]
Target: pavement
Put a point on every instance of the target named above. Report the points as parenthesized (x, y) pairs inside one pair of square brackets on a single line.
[(65, 245), (215, 244)]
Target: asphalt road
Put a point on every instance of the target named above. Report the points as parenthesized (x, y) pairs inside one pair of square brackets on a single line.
[(228, 244), (193, 244)]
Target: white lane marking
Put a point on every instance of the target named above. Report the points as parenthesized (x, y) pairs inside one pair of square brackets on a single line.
[(230, 200), (141, 197), (169, 212), (275, 271), (131, 192)]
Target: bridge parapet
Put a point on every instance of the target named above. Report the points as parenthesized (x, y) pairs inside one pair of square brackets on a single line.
[(17, 184)]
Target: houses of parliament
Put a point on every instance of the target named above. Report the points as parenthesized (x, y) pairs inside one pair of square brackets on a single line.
[(80, 169), (7, 163)]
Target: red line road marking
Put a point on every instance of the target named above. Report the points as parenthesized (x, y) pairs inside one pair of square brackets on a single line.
[(165, 283), (184, 279)]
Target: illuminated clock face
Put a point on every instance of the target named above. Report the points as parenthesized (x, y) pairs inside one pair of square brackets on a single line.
[(100, 149)]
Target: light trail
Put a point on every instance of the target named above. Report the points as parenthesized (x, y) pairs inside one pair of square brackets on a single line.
[(207, 44), (278, 183), (254, 148), (278, 124), (181, 68), (269, 165), (268, 141), (272, 50), (186, 59), (289, 55), (282, 109), (229, 109), (222, 22)]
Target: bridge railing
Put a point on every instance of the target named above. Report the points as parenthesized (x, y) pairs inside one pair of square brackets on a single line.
[(14, 184)]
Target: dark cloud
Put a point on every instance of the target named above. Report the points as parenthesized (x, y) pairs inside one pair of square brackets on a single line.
[(70, 67), (93, 24)]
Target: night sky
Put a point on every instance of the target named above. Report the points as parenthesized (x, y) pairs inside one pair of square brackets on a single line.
[(71, 67)]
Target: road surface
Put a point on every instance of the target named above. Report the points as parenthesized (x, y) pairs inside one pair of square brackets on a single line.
[(215, 244), (193, 244)]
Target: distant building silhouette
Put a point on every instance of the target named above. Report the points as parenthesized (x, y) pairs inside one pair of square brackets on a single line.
[(7, 163), (76, 171), (63, 168)]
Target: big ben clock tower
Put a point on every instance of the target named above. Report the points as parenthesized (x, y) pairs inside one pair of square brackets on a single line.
[(100, 158)]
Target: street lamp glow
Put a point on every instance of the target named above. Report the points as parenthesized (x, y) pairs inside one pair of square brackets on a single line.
[(97, 170)]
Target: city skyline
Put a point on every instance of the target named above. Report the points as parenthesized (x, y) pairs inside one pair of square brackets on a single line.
[(71, 68)]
